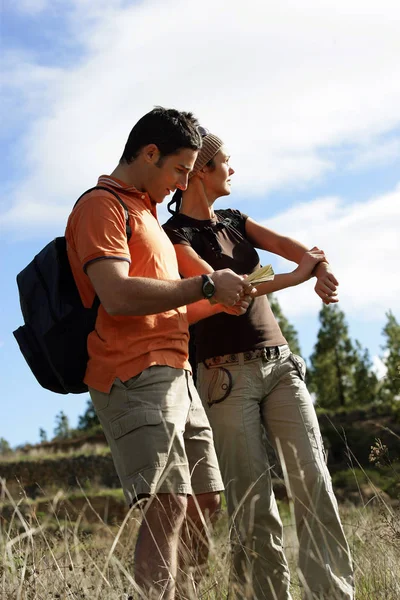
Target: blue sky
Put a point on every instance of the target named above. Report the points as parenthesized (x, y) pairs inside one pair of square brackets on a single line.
[(306, 96)]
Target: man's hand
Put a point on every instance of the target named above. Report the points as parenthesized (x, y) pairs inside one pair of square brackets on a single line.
[(326, 286), (239, 308), (230, 287)]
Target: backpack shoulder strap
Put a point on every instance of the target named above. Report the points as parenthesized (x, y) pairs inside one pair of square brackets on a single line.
[(126, 212)]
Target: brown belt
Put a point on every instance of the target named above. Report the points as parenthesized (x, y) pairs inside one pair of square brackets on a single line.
[(268, 353)]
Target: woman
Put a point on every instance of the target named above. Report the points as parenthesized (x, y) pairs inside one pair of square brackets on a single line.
[(251, 385)]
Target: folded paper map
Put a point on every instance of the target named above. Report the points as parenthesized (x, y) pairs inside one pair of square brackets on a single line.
[(261, 275)]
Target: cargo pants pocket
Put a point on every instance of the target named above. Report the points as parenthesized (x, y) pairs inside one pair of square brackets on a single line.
[(217, 385), (299, 364)]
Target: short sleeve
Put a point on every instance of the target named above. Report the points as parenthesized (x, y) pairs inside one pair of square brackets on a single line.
[(176, 233), (98, 230), (238, 214)]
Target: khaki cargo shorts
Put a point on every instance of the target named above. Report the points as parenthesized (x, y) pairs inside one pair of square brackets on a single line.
[(159, 434)]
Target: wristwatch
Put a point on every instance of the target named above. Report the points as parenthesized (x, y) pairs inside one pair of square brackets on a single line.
[(208, 287)]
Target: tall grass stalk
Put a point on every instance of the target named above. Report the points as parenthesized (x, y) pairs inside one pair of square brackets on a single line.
[(51, 556)]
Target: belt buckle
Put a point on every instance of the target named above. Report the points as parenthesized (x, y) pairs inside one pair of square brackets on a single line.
[(271, 352), (277, 352)]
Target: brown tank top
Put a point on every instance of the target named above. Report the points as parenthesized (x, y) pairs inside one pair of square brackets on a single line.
[(222, 242)]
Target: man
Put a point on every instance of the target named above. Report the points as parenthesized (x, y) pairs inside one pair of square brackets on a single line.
[(138, 373)]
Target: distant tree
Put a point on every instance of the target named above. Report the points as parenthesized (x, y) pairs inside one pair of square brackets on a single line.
[(287, 328), (42, 435), (89, 418), (391, 359), (330, 375), (5, 447), (62, 430), (365, 382)]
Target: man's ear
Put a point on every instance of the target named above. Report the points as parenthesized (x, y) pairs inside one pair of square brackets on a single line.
[(200, 174), (150, 153)]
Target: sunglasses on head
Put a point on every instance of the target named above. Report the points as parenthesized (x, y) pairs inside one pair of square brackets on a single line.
[(203, 131)]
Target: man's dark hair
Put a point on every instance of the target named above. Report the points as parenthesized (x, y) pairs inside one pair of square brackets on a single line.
[(169, 129)]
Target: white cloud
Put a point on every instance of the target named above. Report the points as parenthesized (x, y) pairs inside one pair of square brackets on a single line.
[(279, 81), (31, 7), (379, 153), (379, 367), (362, 244), (24, 87)]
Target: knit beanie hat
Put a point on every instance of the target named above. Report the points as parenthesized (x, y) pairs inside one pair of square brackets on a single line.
[(210, 147)]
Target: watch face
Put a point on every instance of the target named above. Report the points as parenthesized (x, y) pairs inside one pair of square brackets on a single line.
[(208, 287)]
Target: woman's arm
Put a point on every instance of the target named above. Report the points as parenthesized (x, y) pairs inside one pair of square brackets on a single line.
[(191, 264), (267, 239), (203, 309), (303, 272)]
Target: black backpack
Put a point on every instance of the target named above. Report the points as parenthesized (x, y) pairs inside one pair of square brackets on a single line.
[(54, 337)]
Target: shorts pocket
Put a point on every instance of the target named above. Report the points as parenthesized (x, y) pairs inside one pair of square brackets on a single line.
[(129, 383), (141, 444), (127, 423), (100, 400)]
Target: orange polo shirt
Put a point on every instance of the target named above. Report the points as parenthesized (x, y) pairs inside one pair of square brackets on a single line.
[(123, 346)]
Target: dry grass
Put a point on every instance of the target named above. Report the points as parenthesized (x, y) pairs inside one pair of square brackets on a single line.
[(46, 557)]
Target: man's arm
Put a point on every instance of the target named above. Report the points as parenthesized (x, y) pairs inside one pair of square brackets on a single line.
[(267, 239), (121, 294), (191, 264)]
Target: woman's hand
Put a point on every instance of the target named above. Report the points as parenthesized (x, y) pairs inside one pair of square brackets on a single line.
[(326, 286), (309, 261)]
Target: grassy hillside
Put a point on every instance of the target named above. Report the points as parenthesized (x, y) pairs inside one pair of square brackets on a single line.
[(65, 531), (67, 548)]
